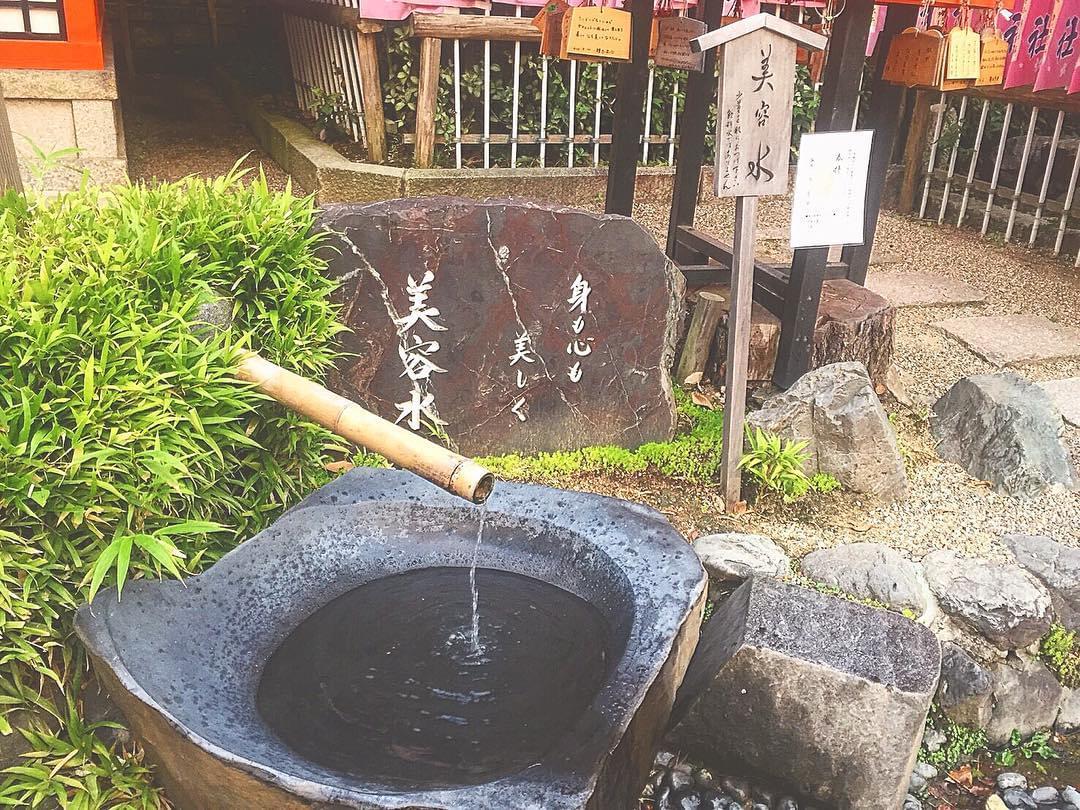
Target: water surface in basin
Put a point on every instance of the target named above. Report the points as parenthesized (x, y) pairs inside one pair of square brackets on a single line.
[(384, 683)]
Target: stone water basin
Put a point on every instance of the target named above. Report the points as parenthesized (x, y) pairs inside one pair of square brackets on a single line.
[(328, 661)]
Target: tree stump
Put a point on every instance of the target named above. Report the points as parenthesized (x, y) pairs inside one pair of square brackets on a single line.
[(764, 340), (708, 310), (854, 323)]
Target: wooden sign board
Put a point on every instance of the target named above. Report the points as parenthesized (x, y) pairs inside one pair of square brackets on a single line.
[(552, 26), (995, 50), (829, 199), (962, 54), (673, 43), (753, 121), (597, 32), (916, 59)]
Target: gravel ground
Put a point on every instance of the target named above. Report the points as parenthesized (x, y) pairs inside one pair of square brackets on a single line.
[(177, 126), (946, 508)]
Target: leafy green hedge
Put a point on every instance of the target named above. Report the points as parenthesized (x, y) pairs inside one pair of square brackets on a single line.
[(125, 440)]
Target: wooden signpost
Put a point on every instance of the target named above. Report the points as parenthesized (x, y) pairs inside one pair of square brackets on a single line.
[(753, 148)]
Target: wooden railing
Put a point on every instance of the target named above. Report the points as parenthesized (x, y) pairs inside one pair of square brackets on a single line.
[(960, 167)]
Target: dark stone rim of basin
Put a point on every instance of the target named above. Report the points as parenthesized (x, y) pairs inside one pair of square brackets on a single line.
[(185, 650)]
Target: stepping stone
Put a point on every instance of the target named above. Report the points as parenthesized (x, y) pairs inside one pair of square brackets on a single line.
[(1065, 394), (1009, 340), (923, 290)]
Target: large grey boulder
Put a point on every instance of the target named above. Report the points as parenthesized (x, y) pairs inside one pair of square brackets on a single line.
[(1068, 717), (1056, 566), (1026, 699), (830, 693), (1004, 603), (1003, 429), (835, 408), (733, 557), (965, 690), (871, 571)]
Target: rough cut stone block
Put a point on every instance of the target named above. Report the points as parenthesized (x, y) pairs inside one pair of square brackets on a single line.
[(923, 289), (836, 410), (965, 690), (521, 326), (1026, 699), (96, 128), (824, 693), (1003, 429), (733, 557), (1004, 603), (1055, 565), (47, 124), (871, 571), (1007, 340)]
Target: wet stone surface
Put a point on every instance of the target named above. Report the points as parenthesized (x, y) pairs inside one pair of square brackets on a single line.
[(513, 326)]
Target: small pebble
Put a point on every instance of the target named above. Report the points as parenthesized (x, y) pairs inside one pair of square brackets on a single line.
[(916, 784), (1071, 796), (926, 770), (911, 803), (787, 803), (1009, 779), (664, 759), (1018, 798), (716, 802), (760, 806), (994, 802), (934, 739), (1046, 795), (679, 780), (689, 801)]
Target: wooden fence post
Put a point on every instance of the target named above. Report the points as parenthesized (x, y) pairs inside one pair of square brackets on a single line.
[(914, 148), (9, 161), (629, 124), (426, 101), (839, 94), (367, 55)]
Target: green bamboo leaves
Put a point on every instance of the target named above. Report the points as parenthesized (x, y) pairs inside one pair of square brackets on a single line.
[(127, 447)]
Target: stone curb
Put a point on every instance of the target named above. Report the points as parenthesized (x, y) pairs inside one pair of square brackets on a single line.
[(332, 177)]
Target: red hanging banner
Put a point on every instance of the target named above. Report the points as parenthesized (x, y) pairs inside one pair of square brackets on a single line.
[(1029, 45), (1063, 49)]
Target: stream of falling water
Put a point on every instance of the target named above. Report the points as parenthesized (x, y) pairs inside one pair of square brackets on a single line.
[(472, 581)]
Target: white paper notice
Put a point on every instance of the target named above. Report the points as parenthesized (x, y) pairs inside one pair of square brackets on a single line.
[(830, 189)]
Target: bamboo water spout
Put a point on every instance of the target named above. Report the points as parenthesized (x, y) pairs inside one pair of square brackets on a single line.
[(454, 473)]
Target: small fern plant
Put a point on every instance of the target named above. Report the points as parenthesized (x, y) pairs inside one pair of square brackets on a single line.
[(777, 465)]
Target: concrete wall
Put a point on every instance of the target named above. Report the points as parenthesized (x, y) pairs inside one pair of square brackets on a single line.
[(55, 110)]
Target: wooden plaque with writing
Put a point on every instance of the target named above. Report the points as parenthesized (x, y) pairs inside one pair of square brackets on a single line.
[(597, 32), (992, 61), (962, 54), (753, 122), (673, 43)]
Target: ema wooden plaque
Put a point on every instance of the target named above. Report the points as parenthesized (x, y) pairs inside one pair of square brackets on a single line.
[(673, 43), (962, 54), (995, 51), (597, 32)]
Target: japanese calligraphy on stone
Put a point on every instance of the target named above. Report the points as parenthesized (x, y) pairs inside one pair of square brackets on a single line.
[(753, 125)]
